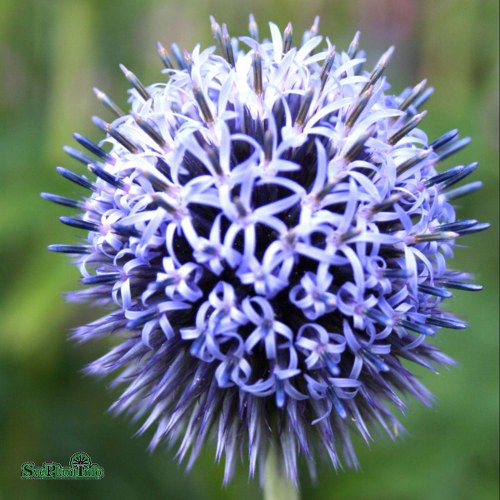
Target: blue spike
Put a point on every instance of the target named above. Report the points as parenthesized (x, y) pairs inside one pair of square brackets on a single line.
[(424, 97), (101, 278), (196, 346), (108, 102), (94, 148), (444, 176), (75, 249), (79, 223), (149, 129), (463, 190), (280, 394), (110, 130), (461, 285), (337, 404), (416, 327), (453, 148), (397, 273), (433, 290), (78, 155), (379, 316), (163, 52), (179, 58), (444, 139), (475, 229), (460, 175), (330, 365), (135, 82), (62, 200), (105, 176), (446, 322), (77, 179), (126, 230), (457, 226), (141, 320), (377, 363), (226, 375)]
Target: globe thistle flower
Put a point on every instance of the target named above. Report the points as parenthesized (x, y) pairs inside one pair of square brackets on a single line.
[(270, 233)]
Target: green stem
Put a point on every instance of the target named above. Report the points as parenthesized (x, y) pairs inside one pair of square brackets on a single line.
[(276, 486)]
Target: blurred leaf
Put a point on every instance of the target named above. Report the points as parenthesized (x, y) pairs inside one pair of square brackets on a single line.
[(51, 53)]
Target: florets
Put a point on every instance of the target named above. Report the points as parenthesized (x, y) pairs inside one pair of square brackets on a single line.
[(271, 233)]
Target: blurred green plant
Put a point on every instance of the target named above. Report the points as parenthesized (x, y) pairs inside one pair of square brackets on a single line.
[(51, 54)]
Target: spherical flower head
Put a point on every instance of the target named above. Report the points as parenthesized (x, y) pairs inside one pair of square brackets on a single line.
[(271, 235)]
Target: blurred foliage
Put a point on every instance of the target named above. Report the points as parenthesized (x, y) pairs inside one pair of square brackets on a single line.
[(51, 54)]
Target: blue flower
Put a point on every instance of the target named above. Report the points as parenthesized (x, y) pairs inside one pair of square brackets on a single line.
[(271, 235)]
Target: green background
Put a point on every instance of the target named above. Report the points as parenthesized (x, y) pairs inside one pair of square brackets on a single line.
[(51, 54)]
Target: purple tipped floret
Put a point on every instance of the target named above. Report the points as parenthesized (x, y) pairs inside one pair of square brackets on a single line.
[(271, 232)]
